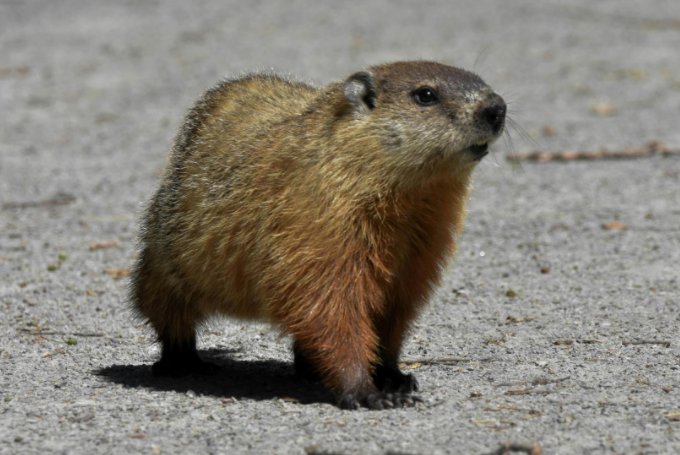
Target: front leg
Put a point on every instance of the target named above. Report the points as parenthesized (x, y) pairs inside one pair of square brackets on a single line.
[(392, 328), (343, 360), (392, 387), (335, 338)]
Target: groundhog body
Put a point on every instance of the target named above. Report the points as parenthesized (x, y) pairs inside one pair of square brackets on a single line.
[(329, 212)]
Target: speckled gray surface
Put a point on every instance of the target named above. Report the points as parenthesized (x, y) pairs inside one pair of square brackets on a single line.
[(91, 94)]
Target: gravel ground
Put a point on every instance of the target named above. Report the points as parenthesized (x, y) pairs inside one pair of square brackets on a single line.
[(549, 330)]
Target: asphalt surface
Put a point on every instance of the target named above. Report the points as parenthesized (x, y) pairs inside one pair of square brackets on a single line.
[(556, 327)]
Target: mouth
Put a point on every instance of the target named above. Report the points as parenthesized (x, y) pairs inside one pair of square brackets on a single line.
[(479, 151)]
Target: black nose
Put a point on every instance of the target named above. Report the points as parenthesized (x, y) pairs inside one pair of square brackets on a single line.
[(493, 114)]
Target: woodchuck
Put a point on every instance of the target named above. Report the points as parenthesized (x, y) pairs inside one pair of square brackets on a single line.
[(329, 212)]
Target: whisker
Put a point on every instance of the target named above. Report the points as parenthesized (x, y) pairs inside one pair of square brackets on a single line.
[(521, 132), (481, 57)]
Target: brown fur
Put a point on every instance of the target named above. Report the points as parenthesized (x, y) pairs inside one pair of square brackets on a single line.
[(329, 212)]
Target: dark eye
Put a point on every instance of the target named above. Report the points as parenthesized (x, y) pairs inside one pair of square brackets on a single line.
[(425, 96)]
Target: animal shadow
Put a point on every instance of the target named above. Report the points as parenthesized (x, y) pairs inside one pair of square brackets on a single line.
[(240, 379)]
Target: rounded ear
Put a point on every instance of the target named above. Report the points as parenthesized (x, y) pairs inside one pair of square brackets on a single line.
[(360, 91)]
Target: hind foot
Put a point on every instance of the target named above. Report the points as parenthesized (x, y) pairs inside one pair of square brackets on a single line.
[(179, 366), (181, 359)]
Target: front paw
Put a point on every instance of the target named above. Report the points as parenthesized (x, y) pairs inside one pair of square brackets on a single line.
[(378, 400), (394, 381), (405, 383)]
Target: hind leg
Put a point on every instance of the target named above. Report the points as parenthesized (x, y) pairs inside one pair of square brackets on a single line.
[(174, 319), (176, 329)]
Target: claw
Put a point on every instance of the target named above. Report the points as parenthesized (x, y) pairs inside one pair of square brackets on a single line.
[(348, 401), (373, 401)]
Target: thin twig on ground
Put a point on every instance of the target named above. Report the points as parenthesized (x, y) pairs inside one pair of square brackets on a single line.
[(665, 344), (57, 199), (508, 448), (649, 149), (34, 331)]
